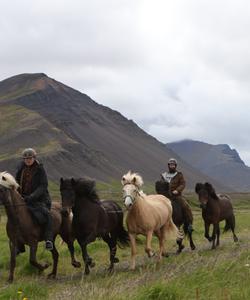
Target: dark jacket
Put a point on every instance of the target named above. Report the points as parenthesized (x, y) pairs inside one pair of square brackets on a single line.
[(39, 195), (177, 183)]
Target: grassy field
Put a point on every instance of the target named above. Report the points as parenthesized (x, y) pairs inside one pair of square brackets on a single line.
[(223, 273)]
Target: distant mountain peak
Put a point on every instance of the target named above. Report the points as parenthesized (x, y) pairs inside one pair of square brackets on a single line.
[(218, 161)]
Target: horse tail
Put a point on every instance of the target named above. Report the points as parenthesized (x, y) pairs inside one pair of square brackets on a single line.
[(230, 223), (173, 230), (122, 234)]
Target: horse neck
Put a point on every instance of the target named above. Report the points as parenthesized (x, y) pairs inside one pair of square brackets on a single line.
[(140, 207), (19, 207)]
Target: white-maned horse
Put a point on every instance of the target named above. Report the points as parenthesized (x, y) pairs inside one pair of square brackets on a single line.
[(147, 215)]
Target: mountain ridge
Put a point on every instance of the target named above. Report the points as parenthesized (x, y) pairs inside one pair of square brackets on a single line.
[(218, 161), (76, 135)]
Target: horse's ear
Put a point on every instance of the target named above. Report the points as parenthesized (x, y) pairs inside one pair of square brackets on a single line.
[(4, 178), (61, 180), (123, 180), (198, 187), (73, 182), (134, 180)]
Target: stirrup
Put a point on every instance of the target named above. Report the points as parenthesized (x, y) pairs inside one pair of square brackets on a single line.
[(49, 245)]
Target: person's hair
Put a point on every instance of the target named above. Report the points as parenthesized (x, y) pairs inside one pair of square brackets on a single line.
[(29, 152)]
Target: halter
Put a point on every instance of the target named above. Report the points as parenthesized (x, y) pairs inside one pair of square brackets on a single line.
[(129, 196)]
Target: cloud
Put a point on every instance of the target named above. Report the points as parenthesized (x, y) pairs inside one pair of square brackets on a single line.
[(180, 69)]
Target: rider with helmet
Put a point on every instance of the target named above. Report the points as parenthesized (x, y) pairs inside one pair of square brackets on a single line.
[(33, 182), (176, 185)]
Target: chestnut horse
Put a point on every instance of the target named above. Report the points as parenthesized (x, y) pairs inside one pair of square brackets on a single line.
[(215, 208), (21, 227), (147, 215), (162, 187)]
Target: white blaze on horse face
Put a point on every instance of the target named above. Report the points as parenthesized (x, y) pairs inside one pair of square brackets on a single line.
[(129, 194)]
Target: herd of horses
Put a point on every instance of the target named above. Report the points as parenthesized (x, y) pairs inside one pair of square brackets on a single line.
[(82, 216)]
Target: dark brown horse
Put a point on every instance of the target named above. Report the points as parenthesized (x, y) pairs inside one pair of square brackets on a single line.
[(21, 228), (162, 187), (93, 218), (215, 208)]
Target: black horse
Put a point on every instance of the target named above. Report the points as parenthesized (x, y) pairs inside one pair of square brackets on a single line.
[(179, 218), (93, 218), (215, 208)]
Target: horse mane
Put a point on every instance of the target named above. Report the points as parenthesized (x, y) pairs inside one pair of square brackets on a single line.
[(87, 188), (208, 187), (132, 178), (8, 181)]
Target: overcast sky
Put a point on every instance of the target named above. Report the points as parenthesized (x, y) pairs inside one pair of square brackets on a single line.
[(180, 69)]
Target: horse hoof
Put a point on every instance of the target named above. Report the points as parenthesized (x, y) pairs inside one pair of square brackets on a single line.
[(115, 260), (165, 254), (10, 280), (76, 264), (111, 270), (45, 266), (193, 247), (86, 272), (51, 276), (236, 239)]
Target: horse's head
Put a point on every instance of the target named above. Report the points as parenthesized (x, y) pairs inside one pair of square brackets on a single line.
[(162, 188), (67, 194), (7, 183), (205, 192), (130, 192), (131, 183)]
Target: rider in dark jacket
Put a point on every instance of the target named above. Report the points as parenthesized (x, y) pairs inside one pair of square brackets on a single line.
[(177, 184), (33, 182)]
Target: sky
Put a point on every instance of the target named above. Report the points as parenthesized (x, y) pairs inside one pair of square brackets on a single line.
[(179, 68)]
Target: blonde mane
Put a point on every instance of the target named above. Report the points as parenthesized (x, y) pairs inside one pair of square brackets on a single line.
[(8, 181), (132, 178)]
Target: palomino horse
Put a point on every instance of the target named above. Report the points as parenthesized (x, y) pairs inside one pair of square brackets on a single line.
[(93, 218), (215, 208), (22, 229), (179, 218), (147, 215)]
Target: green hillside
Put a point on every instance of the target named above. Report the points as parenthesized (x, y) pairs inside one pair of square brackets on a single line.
[(223, 273)]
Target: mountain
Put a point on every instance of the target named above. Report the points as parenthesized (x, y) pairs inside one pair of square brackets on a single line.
[(76, 136), (217, 161)]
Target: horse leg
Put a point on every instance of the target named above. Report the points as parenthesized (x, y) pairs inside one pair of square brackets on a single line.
[(133, 250), (179, 243), (12, 261), (71, 248), (191, 243), (232, 225), (218, 236), (111, 241), (207, 225), (33, 260), (55, 256), (86, 258), (148, 248), (215, 229)]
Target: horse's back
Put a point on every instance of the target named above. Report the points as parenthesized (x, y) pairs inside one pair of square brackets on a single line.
[(226, 207)]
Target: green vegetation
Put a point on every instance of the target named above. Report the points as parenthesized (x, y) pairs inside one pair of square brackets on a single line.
[(202, 274)]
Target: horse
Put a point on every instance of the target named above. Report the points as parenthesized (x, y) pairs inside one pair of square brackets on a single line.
[(215, 208), (22, 229), (162, 187), (147, 215), (93, 218)]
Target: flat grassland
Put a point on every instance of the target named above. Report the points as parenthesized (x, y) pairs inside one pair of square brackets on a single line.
[(223, 273)]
